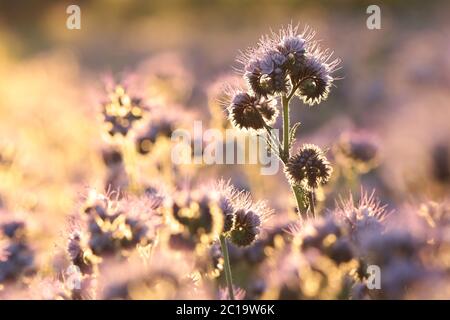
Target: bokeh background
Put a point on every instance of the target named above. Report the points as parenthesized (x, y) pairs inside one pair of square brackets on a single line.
[(394, 84)]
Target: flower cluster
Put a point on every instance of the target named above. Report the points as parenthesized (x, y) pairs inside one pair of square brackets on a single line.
[(309, 167), (285, 65), (202, 216), (111, 226), (287, 62), (122, 111)]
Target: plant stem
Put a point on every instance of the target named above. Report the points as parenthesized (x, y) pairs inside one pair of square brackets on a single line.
[(301, 205), (129, 158), (286, 127), (227, 267), (284, 155), (311, 202)]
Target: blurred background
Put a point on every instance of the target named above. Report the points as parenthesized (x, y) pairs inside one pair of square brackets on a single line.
[(394, 86)]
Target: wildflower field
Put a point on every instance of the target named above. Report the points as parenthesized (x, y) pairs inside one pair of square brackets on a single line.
[(224, 150)]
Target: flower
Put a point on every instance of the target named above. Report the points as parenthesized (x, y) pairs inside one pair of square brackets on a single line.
[(309, 167), (122, 111), (266, 75), (243, 217), (113, 225), (246, 227), (367, 216), (314, 75), (327, 235), (289, 60), (251, 112), (155, 129), (197, 215), (358, 150)]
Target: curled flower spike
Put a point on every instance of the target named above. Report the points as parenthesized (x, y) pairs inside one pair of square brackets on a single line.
[(315, 82), (246, 227), (250, 112), (268, 66), (267, 75), (314, 75), (309, 167)]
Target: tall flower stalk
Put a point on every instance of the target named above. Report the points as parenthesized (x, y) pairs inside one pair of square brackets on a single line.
[(282, 66), (227, 266)]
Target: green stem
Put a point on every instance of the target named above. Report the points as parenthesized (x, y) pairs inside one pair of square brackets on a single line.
[(311, 202), (227, 267), (301, 206), (286, 127)]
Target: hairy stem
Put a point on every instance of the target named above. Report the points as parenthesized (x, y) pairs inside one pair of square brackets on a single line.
[(299, 198), (286, 127), (227, 267), (311, 202), (284, 155)]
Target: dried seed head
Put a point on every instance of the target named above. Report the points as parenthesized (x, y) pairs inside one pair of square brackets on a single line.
[(309, 167), (250, 112), (246, 228)]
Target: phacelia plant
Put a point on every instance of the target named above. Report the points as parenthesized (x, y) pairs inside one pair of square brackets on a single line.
[(282, 66)]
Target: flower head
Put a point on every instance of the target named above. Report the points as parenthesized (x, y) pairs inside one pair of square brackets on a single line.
[(290, 60), (309, 167), (246, 227), (121, 111), (197, 216), (357, 150), (250, 112), (328, 236), (244, 218), (113, 225)]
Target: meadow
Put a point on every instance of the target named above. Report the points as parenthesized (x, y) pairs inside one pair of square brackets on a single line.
[(233, 150)]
